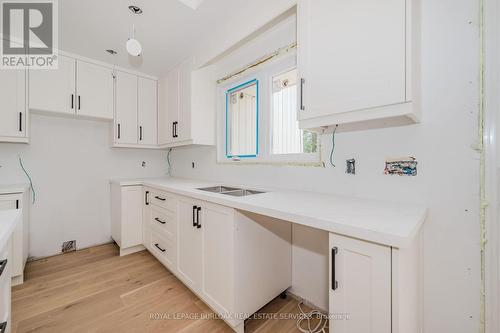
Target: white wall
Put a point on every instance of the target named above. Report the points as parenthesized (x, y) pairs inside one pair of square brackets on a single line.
[(71, 163), (447, 181)]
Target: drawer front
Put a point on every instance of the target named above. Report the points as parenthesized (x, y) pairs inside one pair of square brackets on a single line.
[(164, 221), (162, 248), (163, 200)]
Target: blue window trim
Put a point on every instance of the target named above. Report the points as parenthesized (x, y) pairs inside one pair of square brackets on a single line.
[(238, 87)]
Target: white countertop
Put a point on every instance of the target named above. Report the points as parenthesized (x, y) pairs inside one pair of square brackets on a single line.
[(13, 188), (8, 221), (388, 223)]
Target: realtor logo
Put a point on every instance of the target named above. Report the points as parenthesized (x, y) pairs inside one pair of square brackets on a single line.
[(29, 34)]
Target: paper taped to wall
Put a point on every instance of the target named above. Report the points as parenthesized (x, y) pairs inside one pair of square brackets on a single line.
[(405, 166)]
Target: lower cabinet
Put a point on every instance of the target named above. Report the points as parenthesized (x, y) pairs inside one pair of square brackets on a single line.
[(372, 286), (236, 263), (20, 237), (5, 287), (126, 218)]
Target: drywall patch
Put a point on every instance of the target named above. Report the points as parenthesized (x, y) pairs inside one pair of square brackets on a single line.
[(403, 166)]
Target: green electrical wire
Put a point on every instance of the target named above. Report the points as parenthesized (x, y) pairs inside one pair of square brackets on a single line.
[(29, 178), (333, 146)]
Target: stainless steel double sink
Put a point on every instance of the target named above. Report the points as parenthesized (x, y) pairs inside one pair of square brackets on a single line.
[(232, 191)]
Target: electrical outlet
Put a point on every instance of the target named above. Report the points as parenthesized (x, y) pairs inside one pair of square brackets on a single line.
[(69, 246), (143, 164), (192, 165)]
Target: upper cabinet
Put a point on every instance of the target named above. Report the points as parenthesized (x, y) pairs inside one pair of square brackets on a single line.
[(136, 113), (54, 90), (187, 106), (357, 61), (94, 87), (13, 115)]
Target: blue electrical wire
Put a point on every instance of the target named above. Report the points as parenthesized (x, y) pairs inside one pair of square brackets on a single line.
[(31, 182), (333, 146)]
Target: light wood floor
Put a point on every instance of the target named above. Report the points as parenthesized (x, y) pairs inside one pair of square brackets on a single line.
[(95, 290)]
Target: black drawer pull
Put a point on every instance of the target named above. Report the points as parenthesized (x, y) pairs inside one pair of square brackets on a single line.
[(3, 327), (160, 221), (159, 198), (195, 209), (3, 264), (20, 121), (335, 284), (159, 248), (146, 198), (198, 224)]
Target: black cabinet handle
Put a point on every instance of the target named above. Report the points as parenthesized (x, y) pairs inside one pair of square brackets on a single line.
[(159, 198), (3, 264), (146, 195), (195, 209), (175, 123), (159, 248), (140, 133), (119, 131), (20, 121), (79, 102), (72, 101), (3, 327), (17, 204), (160, 221), (198, 224), (335, 284), (302, 82)]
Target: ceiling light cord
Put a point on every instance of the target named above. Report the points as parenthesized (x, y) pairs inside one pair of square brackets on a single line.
[(320, 326)]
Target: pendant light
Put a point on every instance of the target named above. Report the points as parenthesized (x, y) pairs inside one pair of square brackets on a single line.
[(133, 46)]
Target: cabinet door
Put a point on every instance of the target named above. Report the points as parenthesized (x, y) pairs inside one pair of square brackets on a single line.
[(173, 104), (184, 126), (14, 201), (189, 243), (126, 108), (54, 90), (94, 86), (351, 55), (148, 111), (12, 103), (132, 201), (217, 225), (361, 272)]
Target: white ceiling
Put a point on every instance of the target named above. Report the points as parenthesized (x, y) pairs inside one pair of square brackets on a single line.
[(168, 30)]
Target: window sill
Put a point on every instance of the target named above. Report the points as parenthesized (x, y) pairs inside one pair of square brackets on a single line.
[(274, 163)]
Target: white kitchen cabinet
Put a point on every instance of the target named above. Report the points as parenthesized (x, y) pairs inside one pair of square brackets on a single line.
[(190, 256), (136, 113), (187, 108), (77, 87), (357, 61), (20, 236), (54, 90), (94, 91), (373, 288), (13, 115), (148, 111), (126, 218), (126, 108), (5, 287)]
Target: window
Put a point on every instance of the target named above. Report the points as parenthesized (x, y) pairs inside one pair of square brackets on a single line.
[(242, 120), (287, 138), (258, 118)]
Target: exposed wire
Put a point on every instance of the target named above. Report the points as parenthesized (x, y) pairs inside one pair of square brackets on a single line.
[(29, 178), (169, 166), (333, 146), (320, 326)]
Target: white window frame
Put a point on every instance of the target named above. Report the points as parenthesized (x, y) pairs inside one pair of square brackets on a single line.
[(264, 74)]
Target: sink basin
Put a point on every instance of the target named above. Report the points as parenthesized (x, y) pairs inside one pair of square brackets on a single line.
[(242, 193), (232, 191), (219, 189)]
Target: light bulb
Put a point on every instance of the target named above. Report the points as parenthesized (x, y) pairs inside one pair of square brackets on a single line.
[(134, 48)]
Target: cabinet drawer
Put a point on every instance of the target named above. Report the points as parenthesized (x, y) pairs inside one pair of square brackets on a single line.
[(164, 200), (163, 221), (162, 248)]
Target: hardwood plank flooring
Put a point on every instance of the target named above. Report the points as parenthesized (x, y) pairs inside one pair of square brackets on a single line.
[(95, 290)]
